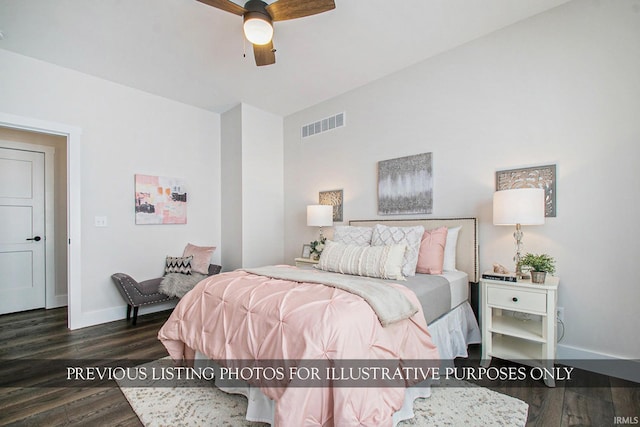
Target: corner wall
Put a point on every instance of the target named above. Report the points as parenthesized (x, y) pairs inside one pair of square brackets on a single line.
[(253, 187)]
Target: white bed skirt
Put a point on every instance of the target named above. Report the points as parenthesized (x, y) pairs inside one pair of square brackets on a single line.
[(451, 333)]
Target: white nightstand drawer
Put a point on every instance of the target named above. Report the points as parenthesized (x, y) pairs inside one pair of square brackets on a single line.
[(517, 299)]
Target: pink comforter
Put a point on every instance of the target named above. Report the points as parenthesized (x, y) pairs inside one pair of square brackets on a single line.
[(238, 315)]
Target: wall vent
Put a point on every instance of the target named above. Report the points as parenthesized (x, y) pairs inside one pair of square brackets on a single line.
[(324, 125)]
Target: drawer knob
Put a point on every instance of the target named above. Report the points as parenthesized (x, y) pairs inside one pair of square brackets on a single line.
[(514, 299)]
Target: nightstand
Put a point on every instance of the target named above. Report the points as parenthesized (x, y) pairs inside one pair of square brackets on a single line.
[(519, 322), (305, 262)]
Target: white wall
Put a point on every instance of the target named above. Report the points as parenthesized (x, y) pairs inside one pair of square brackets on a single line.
[(262, 187), (560, 88), (125, 131), (231, 202), (253, 188)]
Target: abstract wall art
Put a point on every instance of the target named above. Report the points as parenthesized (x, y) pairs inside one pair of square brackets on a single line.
[(160, 200), (405, 185)]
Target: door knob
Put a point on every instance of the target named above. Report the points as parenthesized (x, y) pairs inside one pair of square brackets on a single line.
[(37, 238)]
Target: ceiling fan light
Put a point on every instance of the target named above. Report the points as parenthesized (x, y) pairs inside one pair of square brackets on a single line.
[(257, 29)]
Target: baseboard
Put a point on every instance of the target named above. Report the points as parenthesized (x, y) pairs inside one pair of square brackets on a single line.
[(598, 362), (57, 301), (113, 314)]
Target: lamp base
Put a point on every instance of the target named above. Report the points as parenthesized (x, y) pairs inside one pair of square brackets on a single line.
[(516, 258)]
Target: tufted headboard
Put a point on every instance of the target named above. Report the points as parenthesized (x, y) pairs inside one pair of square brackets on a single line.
[(467, 249)]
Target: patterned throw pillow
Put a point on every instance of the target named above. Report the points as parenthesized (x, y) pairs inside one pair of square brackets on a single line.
[(431, 255), (351, 235), (384, 262), (410, 236), (201, 257), (176, 264)]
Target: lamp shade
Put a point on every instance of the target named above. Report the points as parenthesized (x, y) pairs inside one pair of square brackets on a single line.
[(523, 206), (319, 215)]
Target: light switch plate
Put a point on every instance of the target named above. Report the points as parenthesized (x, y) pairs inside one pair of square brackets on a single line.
[(101, 221)]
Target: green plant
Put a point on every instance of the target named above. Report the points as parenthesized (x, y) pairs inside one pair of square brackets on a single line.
[(542, 262)]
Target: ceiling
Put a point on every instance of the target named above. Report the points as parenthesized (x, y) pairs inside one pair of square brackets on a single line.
[(193, 53)]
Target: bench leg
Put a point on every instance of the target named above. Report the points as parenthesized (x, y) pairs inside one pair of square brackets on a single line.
[(135, 315), (128, 312)]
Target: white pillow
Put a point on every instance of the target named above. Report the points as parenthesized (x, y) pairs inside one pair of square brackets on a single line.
[(351, 235), (450, 249), (410, 236), (384, 262)]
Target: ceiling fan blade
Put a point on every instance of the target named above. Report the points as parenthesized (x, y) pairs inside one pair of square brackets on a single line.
[(265, 54), (282, 10), (226, 5)]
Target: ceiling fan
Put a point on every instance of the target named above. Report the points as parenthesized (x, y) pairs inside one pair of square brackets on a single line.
[(259, 16)]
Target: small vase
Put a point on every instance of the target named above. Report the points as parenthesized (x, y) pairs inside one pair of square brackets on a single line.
[(538, 276)]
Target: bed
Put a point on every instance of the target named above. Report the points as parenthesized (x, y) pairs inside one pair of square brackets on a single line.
[(248, 315), (452, 328)]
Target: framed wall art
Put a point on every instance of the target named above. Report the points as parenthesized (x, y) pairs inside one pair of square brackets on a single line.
[(405, 185), (160, 200), (533, 177), (333, 198)]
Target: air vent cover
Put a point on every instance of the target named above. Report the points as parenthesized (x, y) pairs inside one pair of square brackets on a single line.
[(324, 125)]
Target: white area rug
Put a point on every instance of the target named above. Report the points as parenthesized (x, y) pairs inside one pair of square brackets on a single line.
[(208, 406)]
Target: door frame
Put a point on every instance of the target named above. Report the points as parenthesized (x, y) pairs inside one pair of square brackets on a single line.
[(49, 218), (74, 270)]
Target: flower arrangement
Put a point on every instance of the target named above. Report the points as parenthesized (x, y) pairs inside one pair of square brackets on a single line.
[(316, 247)]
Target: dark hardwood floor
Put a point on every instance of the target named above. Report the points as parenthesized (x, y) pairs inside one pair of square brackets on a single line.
[(590, 399), (43, 334)]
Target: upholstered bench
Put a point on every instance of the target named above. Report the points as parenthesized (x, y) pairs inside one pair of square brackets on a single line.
[(145, 293)]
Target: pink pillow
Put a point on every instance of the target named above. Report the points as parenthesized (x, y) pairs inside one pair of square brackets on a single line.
[(431, 254), (201, 257)]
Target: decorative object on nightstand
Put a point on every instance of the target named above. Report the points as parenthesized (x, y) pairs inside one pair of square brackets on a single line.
[(317, 246), (500, 272), (319, 216), (519, 323), (522, 206), (540, 265), (306, 251)]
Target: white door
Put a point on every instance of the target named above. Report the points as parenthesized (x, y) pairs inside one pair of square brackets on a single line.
[(22, 272)]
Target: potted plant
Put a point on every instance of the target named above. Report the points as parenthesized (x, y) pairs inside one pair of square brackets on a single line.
[(540, 265)]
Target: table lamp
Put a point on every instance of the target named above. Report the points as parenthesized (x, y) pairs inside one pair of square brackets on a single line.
[(520, 206), (319, 216)]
